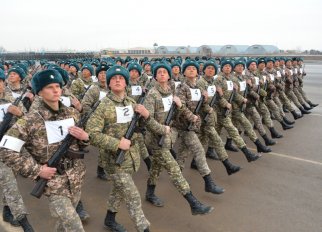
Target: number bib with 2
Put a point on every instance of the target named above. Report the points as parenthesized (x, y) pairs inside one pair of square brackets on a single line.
[(124, 114)]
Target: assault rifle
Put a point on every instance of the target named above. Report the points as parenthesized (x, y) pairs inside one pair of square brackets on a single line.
[(196, 111), (230, 100), (168, 121), (211, 104)]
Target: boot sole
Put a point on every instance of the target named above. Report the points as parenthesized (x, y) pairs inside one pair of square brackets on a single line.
[(203, 213)]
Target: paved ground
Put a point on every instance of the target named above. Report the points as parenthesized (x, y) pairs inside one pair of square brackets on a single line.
[(280, 192)]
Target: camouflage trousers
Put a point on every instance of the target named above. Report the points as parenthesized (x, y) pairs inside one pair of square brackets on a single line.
[(10, 192), (253, 115), (239, 120), (266, 116), (285, 101), (210, 137), (188, 143), (304, 94), (279, 105), (162, 158), (231, 130), (143, 150), (124, 189), (273, 108), (293, 98), (63, 209), (299, 96)]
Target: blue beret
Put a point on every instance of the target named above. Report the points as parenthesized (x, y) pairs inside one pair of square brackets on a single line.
[(89, 68), (239, 61), (18, 70), (44, 78), (249, 61), (161, 65), (117, 70), (188, 63), (135, 66)]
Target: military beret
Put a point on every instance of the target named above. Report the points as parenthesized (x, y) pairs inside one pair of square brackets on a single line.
[(101, 67), (44, 78), (2, 75), (161, 65), (210, 63), (249, 61), (24, 66), (188, 63), (19, 71), (117, 70), (145, 63), (268, 59), (74, 65), (226, 61), (287, 59), (300, 59), (89, 68), (175, 63), (261, 60), (294, 59), (239, 61), (62, 72), (135, 66)]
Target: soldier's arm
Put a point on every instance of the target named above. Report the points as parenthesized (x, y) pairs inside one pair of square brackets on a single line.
[(222, 100), (91, 96), (77, 88), (185, 112)]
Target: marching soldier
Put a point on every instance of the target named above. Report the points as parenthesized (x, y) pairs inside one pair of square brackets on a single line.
[(80, 85)]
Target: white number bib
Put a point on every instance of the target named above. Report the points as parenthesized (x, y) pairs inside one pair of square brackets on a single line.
[(11, 143), (65, 101), (301, 70), (94, 79), (256, 80), (167, 102), (136, 90), (195, 94), (272, 77), (3, 110), (86, 86), (230, 85), (124, 114), (176, 84), (242, 85), (283, 72), (215, 77), (15, 95), (264, 78), (291, 71), (211, 90), (57, 130), (102, 95), (149, 77), (295, 70), (278, 73)]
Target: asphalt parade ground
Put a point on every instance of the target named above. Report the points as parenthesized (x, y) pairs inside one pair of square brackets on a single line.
[(280, 192)]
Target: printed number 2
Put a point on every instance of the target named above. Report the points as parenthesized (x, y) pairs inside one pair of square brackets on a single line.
[(126, 111), (61, 130)]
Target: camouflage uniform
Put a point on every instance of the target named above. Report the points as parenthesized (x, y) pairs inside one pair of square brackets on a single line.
[(105, 133), (63, 191), (300, 88), (289, 87), (79, 86), (188, 140), (296, 85), (162, 157)]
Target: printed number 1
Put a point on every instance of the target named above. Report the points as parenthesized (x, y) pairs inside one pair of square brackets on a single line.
[(3, 111), (5, 141), (61, 130)]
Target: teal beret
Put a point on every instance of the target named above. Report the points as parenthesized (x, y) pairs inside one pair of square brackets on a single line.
[(2, 75), (261, 60), (188, 63), (210, 63), (249, 61), (270, 59), (117, 70), (287, 59), (135, 66), (239, 61), (74, 65), (63, 73), (101, 67), (161, 65), (18, 70), (89, 68), (44, 78), (226, 61), (174, 64)]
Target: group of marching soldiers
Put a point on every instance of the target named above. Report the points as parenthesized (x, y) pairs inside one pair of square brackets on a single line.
[(160, 110)]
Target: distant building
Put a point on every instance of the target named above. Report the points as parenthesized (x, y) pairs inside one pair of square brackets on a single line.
[(140, 50), (262, 49)]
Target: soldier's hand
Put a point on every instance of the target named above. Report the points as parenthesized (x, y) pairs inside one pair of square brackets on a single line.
[(205, 94), (47, 172), (167, 129), (219, 90), (177, 101), (14, 110), (235, 86), (195, 118), (228, 106), (124, 144), (245, 100), (30, 96), (142, 111), (76, 103), (249, 82), (78, 133)]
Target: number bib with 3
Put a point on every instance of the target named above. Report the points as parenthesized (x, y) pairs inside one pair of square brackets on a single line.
[(167, 102)]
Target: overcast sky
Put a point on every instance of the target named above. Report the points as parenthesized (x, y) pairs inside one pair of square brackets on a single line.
[(95, 24)]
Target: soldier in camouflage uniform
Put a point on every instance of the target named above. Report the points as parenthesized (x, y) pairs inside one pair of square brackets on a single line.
[(146, 73), (80, 85), (158, 103), (73, 73), (106, 127), (41, 133), (208, 131), (224, 81), (190, 95)]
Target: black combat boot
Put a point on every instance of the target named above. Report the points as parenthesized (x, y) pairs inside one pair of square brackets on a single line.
[(147, 162), (268, 141), (83, 215), (285, 109), (25, 224), (312, 104), (261, 147), (111, 224), (211, 187), (211, 154), (101, 173), (229, 145), (196, 206), (151, 197), (193, 164), (230, 168), (306, 107), (286, 126), (285, 119), (8, 217), (303, 111), (146, 230), (274, 133), (296, 115), (249, 155)]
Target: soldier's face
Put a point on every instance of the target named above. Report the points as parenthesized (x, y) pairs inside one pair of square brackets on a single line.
[(288, 63), (13, 77), (67, 67), (276, 63), (162, 75), (201, 67), (190, 72), (210, 71), (1, 86), (51, 92), (102, 77), (261, 66), (226, 69), (252, 66), (86, 73), (117, 83), (175, 70), (269, 64), (239, 68), (72, 69), (134, 74), (294, 63), (147, 67)]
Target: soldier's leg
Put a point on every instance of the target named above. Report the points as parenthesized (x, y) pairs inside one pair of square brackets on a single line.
[(290, 94), (183, 151), (274, 109), (63, 209), (285, 101), (299, 96), (232, 131), (100, 167), (129, 192), (143, 151), (229, 142), (279, 106), (305, 97)]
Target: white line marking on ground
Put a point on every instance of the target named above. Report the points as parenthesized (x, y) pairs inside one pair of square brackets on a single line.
[(317, 115)]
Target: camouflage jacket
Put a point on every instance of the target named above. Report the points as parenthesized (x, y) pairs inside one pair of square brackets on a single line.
[(105, 133), (279, 79), (6, 98), (255, 91), (240, 81), (145, 77), (94, 94), (296, 76), (268, 79), (31, 131), (288, 79), (158, 102), (79, 86)]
